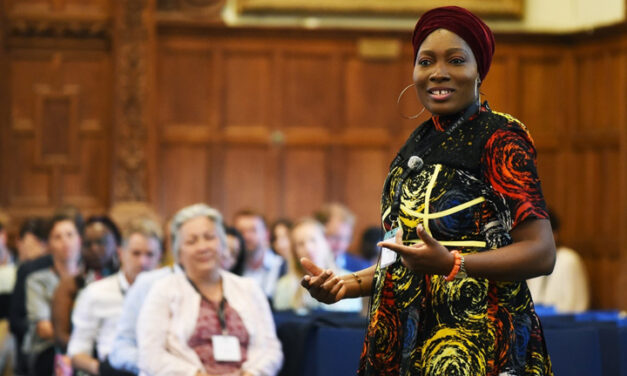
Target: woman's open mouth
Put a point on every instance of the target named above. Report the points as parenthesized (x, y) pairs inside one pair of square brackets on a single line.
[(440, 94)]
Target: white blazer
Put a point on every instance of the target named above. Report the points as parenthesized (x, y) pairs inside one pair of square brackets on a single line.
[(168, 319)]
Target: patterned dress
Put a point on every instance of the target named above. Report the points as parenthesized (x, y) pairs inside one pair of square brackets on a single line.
[(476, 185)]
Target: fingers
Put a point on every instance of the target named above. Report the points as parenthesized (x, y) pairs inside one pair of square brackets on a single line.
[(310, 281), (325, 287), (310, 267), (396, 247), (424, 235), (398, 238)]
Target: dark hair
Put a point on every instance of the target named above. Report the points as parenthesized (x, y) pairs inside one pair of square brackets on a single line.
[(35, 226), (69, 213), (238, 267), (60, 218), (369, 239), (279, 222), (109, 224)]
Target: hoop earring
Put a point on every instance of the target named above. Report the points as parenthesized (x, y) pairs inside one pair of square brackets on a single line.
[(398, 101), (477, 91)]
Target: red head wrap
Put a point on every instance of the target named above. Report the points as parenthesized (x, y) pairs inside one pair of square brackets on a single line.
[(463, 23)]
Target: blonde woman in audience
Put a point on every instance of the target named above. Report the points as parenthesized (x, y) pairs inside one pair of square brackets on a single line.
[(308, 240), (205, 321), (98, 307)]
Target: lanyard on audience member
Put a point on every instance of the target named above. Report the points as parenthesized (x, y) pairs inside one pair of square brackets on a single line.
[(221, 314)]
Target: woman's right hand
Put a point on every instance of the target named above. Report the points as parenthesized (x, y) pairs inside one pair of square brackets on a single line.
[(322, 284)]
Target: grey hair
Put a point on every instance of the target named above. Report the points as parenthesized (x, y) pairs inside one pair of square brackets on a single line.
[(191, 212)]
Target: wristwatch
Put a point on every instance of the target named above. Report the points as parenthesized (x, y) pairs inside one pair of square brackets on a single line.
[(462, 269)]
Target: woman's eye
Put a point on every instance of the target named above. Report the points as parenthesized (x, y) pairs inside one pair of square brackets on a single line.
[(458, 60), (424, 62)]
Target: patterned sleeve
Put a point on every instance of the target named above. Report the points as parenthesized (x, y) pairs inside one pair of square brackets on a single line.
[(509, 166)]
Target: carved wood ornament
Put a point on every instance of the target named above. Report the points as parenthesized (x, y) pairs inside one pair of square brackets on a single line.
[(131, 47)]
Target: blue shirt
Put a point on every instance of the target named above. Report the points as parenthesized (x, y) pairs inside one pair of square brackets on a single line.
[(123, 355)]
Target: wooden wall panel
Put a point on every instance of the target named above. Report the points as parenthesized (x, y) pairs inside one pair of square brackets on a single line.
[(59, 123), (498, 88), (249, 180), (27, 186), (311, 90), (371, 103), (540, 97), (184, 98), (365, 174), (306, 175), (185, 178), (549, 170), (248, 93), (598, 90)]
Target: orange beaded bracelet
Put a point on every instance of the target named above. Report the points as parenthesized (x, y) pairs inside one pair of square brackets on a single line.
[(456, 265)]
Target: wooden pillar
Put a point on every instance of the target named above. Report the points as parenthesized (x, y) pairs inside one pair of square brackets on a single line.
[(134, 129)]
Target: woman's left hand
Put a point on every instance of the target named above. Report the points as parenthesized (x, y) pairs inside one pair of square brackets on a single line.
[(428, 257)]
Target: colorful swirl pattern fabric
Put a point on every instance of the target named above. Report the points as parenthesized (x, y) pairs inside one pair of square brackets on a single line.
[(477, 185)]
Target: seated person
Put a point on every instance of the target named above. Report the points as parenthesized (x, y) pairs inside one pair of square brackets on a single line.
[(99, 305), (123, 355), (235, 259), (32, 256), (205, 321), (31, 242), (100, 245), (566, 288), (339, 224), (64, 241), (308, 240), (280, 241)]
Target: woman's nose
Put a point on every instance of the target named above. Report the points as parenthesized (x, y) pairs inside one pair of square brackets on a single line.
[(439, 72)]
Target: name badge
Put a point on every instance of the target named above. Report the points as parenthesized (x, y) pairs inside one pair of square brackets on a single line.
[(388, 257), (226, 349)]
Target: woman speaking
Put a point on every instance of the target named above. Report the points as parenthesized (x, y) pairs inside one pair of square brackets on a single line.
[(466, 224)]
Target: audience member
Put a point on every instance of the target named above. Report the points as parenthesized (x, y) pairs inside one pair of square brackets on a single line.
[(99, 305), (27, 247), (234, 260), (123, 358), (339, 224), (262, 264), (280, 241), (566, 289), (207, 320), (7, 275), (100, 245), (7, 280), (64, 240), (308, 240), (31, 242), (369, 239)]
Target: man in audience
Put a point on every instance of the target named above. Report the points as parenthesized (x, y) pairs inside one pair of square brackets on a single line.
[(339, 222), (262, 265), (123, 357), (99, 305)]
